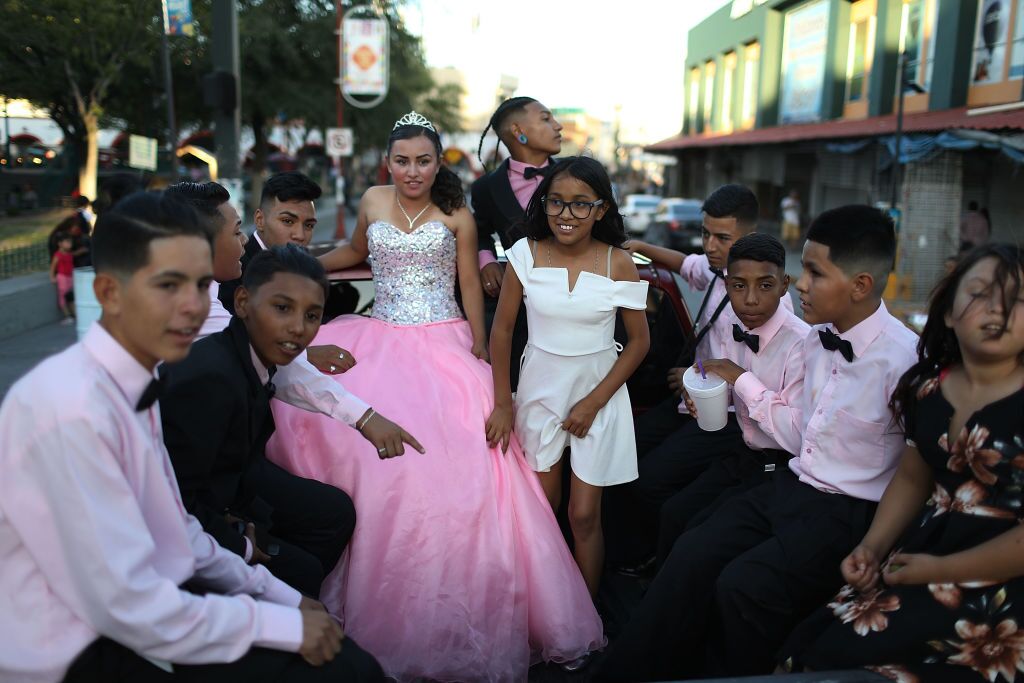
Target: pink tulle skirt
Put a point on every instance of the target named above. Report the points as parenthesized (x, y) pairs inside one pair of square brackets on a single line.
[(457, 570)]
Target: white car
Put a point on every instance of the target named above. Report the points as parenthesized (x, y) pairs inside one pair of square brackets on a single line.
[(637, 211)]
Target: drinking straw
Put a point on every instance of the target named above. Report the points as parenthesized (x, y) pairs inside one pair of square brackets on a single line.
[(703, 374)]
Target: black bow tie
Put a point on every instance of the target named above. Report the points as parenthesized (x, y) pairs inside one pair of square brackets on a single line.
[(833, 342), (151, 394), (531, 171), (751, 340)]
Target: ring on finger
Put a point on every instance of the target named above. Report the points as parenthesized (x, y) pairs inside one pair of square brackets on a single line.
[(382, 449), (334, 368)]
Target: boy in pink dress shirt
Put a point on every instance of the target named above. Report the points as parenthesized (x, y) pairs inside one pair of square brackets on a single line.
[(672, 450), (765, 349), (95, 540), (733, 586)]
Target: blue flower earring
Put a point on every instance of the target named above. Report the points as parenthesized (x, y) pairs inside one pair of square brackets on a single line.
[(522, 138)]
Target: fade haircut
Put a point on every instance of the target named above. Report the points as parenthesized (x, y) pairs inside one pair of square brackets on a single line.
[(860, 239), (757, 246), (288, 258), (733, 201), (205, 198), (120, 242), (289, 186)]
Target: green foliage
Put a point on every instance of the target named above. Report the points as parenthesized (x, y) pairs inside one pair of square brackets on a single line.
[(108, 51), (68, 56)]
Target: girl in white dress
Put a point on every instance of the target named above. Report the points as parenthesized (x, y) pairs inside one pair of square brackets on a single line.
[(573, 276)]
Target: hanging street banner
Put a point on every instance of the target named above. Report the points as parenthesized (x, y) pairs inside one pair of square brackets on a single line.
[(178, 17), (804, 46), (364, 47)]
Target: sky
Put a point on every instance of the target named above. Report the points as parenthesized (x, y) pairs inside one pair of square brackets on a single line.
[(569, 53)]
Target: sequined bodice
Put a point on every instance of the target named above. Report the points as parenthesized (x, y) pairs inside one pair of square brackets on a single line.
[(413, 273)]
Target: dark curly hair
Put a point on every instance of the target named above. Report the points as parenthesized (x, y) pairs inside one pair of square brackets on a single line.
[(938, 347), (447, 190), (609, 229), (497, 119)]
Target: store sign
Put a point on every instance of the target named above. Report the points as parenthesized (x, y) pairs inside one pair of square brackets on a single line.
[(142, 152), (365, 59), (804, 48)]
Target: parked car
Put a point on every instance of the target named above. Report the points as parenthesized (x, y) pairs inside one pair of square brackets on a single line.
[(637, 210), (677, 225), (667, 316)]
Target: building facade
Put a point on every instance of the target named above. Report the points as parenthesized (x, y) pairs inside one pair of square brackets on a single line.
[(805, 95)]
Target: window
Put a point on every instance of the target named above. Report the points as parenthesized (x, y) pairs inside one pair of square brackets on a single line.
[(917, 36), (709, 92), (992, 31), (751, 68), (693, 106), (728, 78), (1017, 49), (862, 47)]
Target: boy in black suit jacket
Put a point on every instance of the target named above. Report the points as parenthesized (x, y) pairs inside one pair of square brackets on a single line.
[(217, 420), (533, 136)]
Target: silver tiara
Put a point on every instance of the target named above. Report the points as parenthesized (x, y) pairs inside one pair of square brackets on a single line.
[(414, 119)]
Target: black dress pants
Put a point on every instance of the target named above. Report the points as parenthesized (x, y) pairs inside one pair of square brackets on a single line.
[(106, 661), (734, 586), (728, 476), (672, 452), (312, 521)]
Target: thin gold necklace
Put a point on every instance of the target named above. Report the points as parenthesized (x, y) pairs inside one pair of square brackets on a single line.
[(412, 221), (548, 249)]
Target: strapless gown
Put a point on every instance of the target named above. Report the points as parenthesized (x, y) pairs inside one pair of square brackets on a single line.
[(457, 570)]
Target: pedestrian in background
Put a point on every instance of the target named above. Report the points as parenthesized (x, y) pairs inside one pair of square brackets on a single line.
[(791, 219), (62, 268), (974, 228)]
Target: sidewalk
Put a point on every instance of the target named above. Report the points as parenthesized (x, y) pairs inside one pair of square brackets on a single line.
[(22, 352)]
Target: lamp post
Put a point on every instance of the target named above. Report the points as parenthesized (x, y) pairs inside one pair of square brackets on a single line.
[(897, 167)]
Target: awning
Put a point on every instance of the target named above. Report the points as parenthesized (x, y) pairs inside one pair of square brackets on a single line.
[(920, 122)]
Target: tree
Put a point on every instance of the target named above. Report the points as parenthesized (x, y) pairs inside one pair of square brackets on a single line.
[(67, 56)]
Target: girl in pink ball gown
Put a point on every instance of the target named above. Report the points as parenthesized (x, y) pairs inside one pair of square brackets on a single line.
[(457, 570)]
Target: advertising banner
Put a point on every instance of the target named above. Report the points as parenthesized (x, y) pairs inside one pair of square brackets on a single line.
[(178, 17), (804, 47), (364, 52)]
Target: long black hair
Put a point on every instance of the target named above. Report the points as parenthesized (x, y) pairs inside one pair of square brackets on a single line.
[(609, 229), (447, 190), (938, 347), (508, 106)]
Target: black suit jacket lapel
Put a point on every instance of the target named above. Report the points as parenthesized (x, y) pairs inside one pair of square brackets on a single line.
[(261, 420), (505, 199)]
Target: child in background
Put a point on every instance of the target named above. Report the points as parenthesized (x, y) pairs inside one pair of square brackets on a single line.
[(62, 269)]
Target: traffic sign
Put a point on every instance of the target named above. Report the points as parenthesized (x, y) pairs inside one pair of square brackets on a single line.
[(339, 142)]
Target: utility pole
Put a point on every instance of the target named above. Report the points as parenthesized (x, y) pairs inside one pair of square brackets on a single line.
[(226, 93), (339, 185), (897, 166), (172, 126)]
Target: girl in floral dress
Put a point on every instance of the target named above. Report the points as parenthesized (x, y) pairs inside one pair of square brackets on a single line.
[(935, 590)]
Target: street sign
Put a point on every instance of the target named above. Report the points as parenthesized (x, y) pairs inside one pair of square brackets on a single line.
[(339, 142), (142, 152)]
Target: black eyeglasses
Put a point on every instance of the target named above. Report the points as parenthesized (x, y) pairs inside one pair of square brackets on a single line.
[(581, 210)]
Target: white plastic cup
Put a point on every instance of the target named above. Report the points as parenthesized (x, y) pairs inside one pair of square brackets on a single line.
[(710, 397)]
